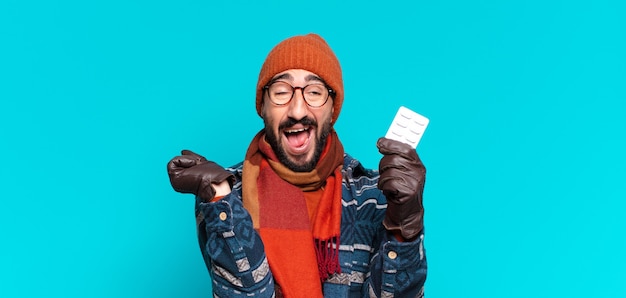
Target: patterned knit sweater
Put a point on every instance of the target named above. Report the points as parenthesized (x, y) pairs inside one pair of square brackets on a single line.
[(373, 263)]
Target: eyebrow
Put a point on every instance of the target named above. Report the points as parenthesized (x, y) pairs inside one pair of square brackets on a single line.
[(314, 78), (280, 77)]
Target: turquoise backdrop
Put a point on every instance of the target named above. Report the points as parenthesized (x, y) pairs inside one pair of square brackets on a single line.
[(525, 195)]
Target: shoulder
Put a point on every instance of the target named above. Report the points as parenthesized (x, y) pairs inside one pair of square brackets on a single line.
[(359, 182), (236, 170), (353, 171)]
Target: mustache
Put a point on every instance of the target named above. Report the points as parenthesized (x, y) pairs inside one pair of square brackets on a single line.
[(291, 122)]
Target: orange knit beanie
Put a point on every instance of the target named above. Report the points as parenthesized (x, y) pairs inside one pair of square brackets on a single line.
[(309, 52)]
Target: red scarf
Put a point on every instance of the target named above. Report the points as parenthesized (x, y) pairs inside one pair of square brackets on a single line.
[(300, 254)]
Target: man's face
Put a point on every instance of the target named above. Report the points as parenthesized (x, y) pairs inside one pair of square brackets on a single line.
[(296, 131)]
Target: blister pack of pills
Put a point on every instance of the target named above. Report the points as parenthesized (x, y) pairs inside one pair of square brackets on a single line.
[(407, 127)]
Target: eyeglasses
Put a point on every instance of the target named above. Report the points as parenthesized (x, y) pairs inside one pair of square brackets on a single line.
[(315, 95)]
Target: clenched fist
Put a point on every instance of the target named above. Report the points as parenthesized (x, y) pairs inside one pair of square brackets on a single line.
[(402, 177), (192, 173)]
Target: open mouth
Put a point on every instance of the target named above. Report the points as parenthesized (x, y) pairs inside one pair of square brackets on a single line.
[(298, 139)]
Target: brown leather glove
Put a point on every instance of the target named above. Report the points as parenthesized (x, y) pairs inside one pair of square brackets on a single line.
[(192, 173), (402, 177)]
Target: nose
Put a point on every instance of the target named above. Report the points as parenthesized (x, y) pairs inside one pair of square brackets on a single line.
[(298, 108)]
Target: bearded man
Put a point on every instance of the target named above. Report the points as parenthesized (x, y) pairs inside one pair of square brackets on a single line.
[(299, 217)]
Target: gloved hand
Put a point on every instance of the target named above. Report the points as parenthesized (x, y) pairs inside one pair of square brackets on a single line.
[(402, 177), (192, 173)]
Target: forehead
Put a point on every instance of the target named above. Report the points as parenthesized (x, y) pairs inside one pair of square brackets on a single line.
[(297, 75)]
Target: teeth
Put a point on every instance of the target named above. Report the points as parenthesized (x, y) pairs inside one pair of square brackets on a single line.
[(295, 130)]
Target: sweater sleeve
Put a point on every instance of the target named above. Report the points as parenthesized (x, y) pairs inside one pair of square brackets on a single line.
[(398, 269), (232, 249)]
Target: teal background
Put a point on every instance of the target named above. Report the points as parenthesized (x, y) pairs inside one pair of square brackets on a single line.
[(525, 194)]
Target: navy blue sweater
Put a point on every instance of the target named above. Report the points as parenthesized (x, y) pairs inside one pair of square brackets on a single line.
[(373, 263)]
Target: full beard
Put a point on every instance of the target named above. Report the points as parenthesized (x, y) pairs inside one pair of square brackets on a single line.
[(282, 156)]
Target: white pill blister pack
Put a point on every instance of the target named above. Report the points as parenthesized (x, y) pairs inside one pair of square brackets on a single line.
[(407, 127)]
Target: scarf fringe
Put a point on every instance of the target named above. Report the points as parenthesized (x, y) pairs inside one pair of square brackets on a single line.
[(327, 252)]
